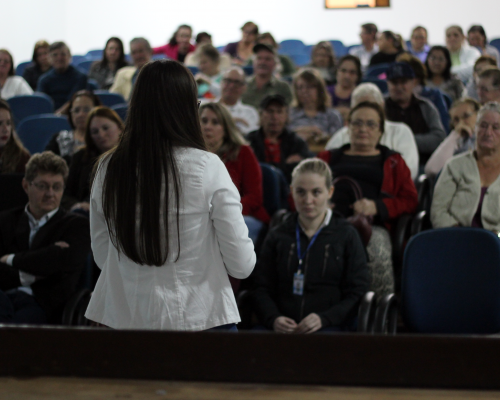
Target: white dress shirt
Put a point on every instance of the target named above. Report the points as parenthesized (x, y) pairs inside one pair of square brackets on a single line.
[(364, 55), (15, 86), (247, 113), (194, 292)]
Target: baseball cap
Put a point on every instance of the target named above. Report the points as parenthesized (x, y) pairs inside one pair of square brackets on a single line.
[(400, 70)]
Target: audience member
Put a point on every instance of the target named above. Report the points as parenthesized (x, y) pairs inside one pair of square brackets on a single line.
[(273, 143), (311, 116), (329, 265), (488, 85), (286, 66), (63, 80), (386, 184), (233, 86), (209, 76), (242, 51), (369, 46), (66, 143), (467, 192), (10, 84), (113, 59), (476, 37), (439, 74), (13, 155), (222, 138), (462, 138), (418, 43), (263, 83), (40, 64), (140, 51), (419, 114), (462, 55), (348, 76), (397, 136), (102, 133), (43, 248), (323, 60), (179, 45), (390, 45), (193, 58), (481, 64)]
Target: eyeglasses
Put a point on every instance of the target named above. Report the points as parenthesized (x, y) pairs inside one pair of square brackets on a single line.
[(235, 82), (485, 126), (43, 187), (77, 110), (371, 125), (199, 102), (437, 59)]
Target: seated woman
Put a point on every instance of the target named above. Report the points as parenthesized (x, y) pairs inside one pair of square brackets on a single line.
[(209, 77), (390, 45), (222, 138), (314, 253), (40, 64), (13, 155), (476, 36), (348, 77), (241, 52), (397, 136), (463, 115), (439, 74), (113, 59), (66, 143), (385, 180), (102, 133), (480, 65), (467, 192), (323, 60), (179, 45), (462, 55), (311, 116), (10, 84)]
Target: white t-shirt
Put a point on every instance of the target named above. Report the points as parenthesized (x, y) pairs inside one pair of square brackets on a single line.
[(15, 86), (247, 113)]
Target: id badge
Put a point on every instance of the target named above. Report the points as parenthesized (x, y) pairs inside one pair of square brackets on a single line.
[(298, 283)]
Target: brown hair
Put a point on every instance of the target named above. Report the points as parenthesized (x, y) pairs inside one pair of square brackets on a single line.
[(329, 49), (250, 23), (233, 140), (312, 77), (13, 150), (485, 58), (370, 28), (356, 62), (46, 162), (457, 27), (81, 93), (416, 65), (11, 70), (374, 106), (211, 52), (39, 45), (91, 149), (314, 166), (493, 73), (267, 35)]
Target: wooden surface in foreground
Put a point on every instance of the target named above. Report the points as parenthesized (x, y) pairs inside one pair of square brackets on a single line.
[(93, 389)]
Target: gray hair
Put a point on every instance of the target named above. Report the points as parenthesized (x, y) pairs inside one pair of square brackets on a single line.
[(141, 40), (239, 70), (367, 90), (492, 106)]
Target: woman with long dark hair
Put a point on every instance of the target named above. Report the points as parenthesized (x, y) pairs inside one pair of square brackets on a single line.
[(113, 59), (179, 45), (439, 74), (13, 155), (166, 221), (40, 64)]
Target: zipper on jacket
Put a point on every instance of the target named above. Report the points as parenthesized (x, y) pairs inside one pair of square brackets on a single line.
[(304, 295), (327, 247), (290, 256)]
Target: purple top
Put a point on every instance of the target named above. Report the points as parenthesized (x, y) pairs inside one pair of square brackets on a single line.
[(232, 49), (337, 101), (476, 221)]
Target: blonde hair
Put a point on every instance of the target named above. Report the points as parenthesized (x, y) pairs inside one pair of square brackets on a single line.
[(314, 166)]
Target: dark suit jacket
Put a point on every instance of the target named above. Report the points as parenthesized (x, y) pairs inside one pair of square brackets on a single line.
[(57, 269)]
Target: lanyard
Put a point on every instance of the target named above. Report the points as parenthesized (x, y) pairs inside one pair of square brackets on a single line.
[(301, 255)]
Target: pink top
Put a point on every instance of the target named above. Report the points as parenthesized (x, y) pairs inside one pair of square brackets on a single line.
[(171, 51)]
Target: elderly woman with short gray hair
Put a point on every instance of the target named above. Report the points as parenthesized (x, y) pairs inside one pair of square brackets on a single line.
[(467, 192), (397, 136)]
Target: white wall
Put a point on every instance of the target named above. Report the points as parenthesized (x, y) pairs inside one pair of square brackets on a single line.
[(86, 24)]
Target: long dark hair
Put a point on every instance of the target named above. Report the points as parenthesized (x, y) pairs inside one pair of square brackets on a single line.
[(447, 70), (81, 93), (91, 150), (142, 177), (173, 40), (13, 149), (12, 71), (121, 60)]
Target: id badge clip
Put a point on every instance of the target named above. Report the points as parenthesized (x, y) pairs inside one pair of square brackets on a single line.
[(298, 283)]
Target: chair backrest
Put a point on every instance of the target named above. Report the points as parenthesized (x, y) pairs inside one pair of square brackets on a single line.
[(84, 66), (271, 188), (35, 132), (451, 282), (291, 46), (95, 54), (382, 84), (338, 48), (109, 99), (21, 67), (495, 43), (92, 85), (28, 105), (75, 59), (194, 70), (13, 194), (121, 110), (376, 70), (300, 59)]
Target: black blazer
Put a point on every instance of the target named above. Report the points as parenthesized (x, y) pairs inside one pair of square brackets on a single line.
[(57, 269)]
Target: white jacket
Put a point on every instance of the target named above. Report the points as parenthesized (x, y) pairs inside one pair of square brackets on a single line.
[(468, 56), (193, 293), (397, 137)]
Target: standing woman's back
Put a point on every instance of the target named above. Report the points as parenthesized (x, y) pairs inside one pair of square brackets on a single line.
[(166, 222)]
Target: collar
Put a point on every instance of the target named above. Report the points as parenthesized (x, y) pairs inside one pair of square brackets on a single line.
[(326, 220), (42, 220), (272, 81)]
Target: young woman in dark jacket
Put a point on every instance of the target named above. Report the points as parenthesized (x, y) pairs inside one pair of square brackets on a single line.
[(312, 271)]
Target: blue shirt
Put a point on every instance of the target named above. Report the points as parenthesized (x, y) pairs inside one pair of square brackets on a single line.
[(61, 86)]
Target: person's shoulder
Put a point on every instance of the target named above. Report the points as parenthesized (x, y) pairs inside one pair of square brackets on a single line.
[(397, 128), (47, 75), (10, 215), (462, 159), (128, 69)]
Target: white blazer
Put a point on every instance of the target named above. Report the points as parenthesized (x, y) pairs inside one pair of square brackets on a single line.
[(15, 86), (194, 292), (468, 56)]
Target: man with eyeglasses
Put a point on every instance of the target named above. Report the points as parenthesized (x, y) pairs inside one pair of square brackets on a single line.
[(43, 248), (488, 85), (233, 86)]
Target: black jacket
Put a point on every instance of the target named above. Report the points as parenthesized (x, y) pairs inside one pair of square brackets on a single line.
[(78, 182), (58, 269), (290, 144), (335, 274)]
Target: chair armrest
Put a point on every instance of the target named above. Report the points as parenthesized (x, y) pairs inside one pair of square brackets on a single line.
[(400, 237), (366, 313), (386, 316), (244, 302), (419, 222)]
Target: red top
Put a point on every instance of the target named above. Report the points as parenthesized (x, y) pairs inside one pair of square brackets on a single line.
[(171, 51), (247, 177), (21, 165), (273, 151)]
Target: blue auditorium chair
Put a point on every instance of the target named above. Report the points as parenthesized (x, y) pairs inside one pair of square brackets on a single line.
[(92, 85), (95, 54), (21, 67), (75, 59), (495, 43), (376, 70), (338, 48), (450, 284), (109, 99), (291, 46), (308, 49), (35, 132), (29, 105), (382, 84), (194, 70), (84, 66), (300, 59), (121, 110)]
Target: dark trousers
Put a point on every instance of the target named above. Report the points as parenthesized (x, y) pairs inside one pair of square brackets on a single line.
[(18, 307)]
